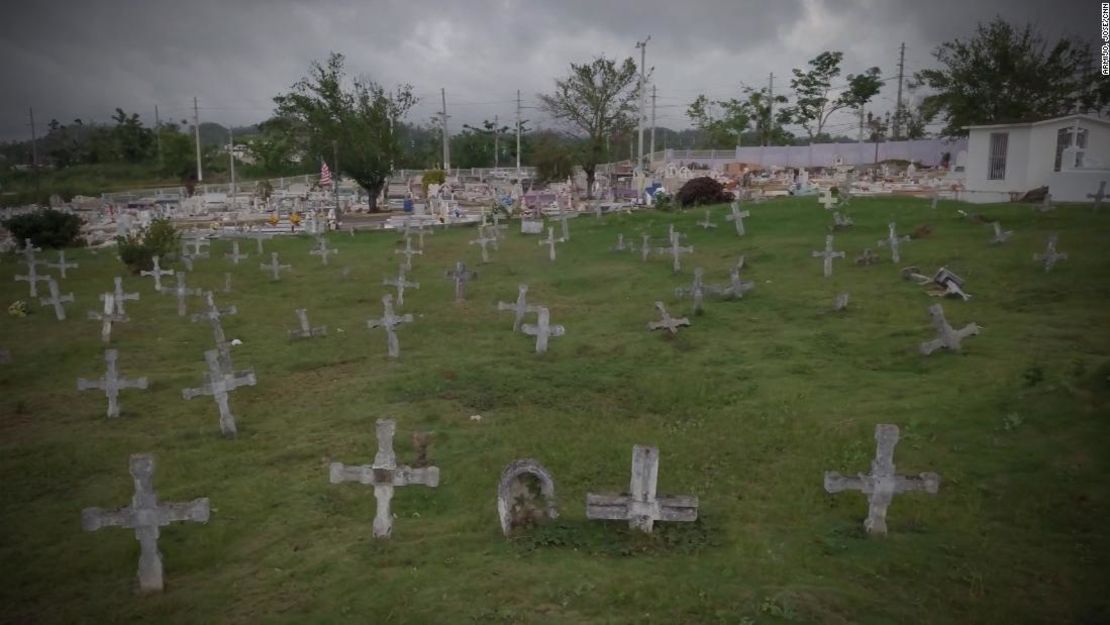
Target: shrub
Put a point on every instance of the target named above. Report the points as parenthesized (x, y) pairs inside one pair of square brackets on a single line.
[(137, 250), (663, 201), (45, 228), (704, 190), (433, 176)]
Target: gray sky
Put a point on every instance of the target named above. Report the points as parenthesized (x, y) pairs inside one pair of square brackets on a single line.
[(84, 58)]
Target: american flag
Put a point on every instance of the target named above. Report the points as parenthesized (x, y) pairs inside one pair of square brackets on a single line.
[(325, 175)]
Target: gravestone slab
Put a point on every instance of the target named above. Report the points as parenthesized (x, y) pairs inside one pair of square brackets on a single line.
[(666, 322), (520, 307), (543, 329), (1050, 256), (516, 505), (389, 322), (111, 383), (306, 331), (57, 300), (828, 255), (947, 337), (640, 506), (219, 384), (461, 276), (157, 274)]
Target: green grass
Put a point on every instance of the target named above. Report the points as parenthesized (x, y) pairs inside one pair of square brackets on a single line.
[(749, 406)]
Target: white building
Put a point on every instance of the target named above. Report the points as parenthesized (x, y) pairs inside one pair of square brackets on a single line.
[(1006, 160)]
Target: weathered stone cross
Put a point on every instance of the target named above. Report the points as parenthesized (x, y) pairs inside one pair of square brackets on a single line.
[(57, 300), (675, 250), (947, 337), (841, 222), (882, 484), (33, 277), (1000, 235), (219, 383), (461, 276), (62, 265), (828, 200), (181, 291), (1098, 196), (111, 383), (408, 252), (157, 272), (696, 290), (738, 217), (120, 296), (384, 475), (641, 507), (564, 222), (550, 243), (1050, 255), (389, 322), (107, 317), (894, 241), (645, 247), (1046, 204), (828, 255), (484, 242), (274, 268), (519, 308), (197, 242), (145, 515), (543, 329), (306, 331), (214, 317), (737, 287), (401, 284), (706, 224), (666, 321), (322, 250), (29, 250), (234, 255), (621, 247)]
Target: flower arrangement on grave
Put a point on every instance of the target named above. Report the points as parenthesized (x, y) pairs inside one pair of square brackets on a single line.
[(18, 308), (295, 219), (273, 220)]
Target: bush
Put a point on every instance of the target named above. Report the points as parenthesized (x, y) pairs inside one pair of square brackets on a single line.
[(433, 176), (663, 201), (138, 250), (704, 190), (45, 228)]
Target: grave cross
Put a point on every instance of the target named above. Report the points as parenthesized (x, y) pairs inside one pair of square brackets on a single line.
[(868, 257), (461, 276), (227, 283), (1050, 255), (62, 265), (520, 307), (1046, 204), (57, 300), (737, 287), (841, 302), (107, 317), (563, 221), (234, 255), (696, 290), (641, 507), (621, 247), (484, 242), (828, 200), (145, 515), (401, 284), (666, 321), (706, 224), (33, 277), (219, 383), (181, 291), (420, 232), (543, 329), (214, 316), (645, 247), (828, 255), (120, 296), (1000, 235), (322, 249), (111, 383), (947, 337), (389, 322), (738, 217), (1098, 196), (550, 243), (384, 475), (197, 242), (840, 222), (29, 250), (274, 268), (934, 198), (882, 484), (408, 252), (894, 241), (157, 272), (306, 331), (675, 250)]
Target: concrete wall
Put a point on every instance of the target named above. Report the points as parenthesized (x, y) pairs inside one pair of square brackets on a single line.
[(1017, 161)]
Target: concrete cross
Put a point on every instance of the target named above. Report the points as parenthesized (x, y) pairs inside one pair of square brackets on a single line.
[(322, 249), (1046, 204), (675, 250), (306, 331), (56, 300), (274, 267), (697, 290), (564, 222), (841, 302), (111, 383), (401, 284), (107, 317), (234, 255), (894, 242), (461, 276), (868, 257), (645, 247), (881, 484), (621, 246), (120, 296), (840, 222), (409, 252), (738, 216), (197, 242), (550, 243), (947, 337), (181, 291), (420, 232), (736, 287), (1000, 235), (389, 322), (61, 265), (157, 273), (384, 475), (520, 307), (827, 255), (828, 200), (543, 329), (484, 243), (1050, 255), (227, 283), (214, 316), (706, 224), (187, 261), (146, 515), (641, 507), (220, 382), (33, 277), (934, 198), (666, 321), (29, 250), (1098, 196)]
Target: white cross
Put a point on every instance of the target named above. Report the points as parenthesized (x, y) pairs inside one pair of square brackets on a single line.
[(460, 275), (56, 300), (111, 383), (550, 243), (1050, 255), (894, 242), (519, 308), (409, 252), (947, 337), (107, 317), (828, 255), (389, 322), (641, 507), (157, 272), (666, 321), (1098, 196), (322, 249), (234, 255), (120, 296), (738, 217), (181, 291), (306, 331), (274, 268), (33, 278), (706, 224), (220, 382), (543, 329), (401, 285), (62, 265)]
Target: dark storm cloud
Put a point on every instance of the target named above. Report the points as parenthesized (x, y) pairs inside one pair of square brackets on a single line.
[(82, 59)]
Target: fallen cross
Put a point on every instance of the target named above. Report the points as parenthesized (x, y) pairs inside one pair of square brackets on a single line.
[(1000, 235), (666, 321), (306, 331), (947, 337)]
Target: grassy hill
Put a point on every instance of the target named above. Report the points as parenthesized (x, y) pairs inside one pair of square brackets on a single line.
[(748, 406)]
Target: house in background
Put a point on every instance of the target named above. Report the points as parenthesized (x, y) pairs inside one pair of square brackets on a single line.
[(1070, 155)]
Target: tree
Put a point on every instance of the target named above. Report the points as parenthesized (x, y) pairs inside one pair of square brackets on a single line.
[(813, 102), (131, 140), (360, 120), (768, 127), (723, 121), (553, 156), (492, 134), (1006, 75), (596, 99)]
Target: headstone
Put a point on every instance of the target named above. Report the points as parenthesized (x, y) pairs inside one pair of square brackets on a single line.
[(1097, 196), (550, 242), (827, 255), (107, 317), (384, 475), (737, 287), (461, 276), (401, 284), (409, 252), (219, 383), (322, 250), (181, 291), (389, 322), (641, 507), (33, 277), (520, 307), (146, 515), (868, 257), (841, 302), (706, 224), (56, 300), (894, 242), (666, 321), (516, 505), (306, 331), (157, 273), (484, 242), (881, 484), (274, 267), (62, 265), (234, 255), (737, 217), (120, 296), (543, 329), (1050, 255), (676, 251), (111, 383), (947, 337)]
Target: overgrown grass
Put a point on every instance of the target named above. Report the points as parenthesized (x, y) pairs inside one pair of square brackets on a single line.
[(748, 407)]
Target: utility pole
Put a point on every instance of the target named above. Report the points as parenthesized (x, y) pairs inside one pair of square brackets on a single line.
[(652, 151), (446, 145), (518, 135), (335, 176), (231, 156), (859, 141), (770, 131), (34, 149), (642, 45), (496, 144), (897, 127), (158, 135), (196, 135)]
